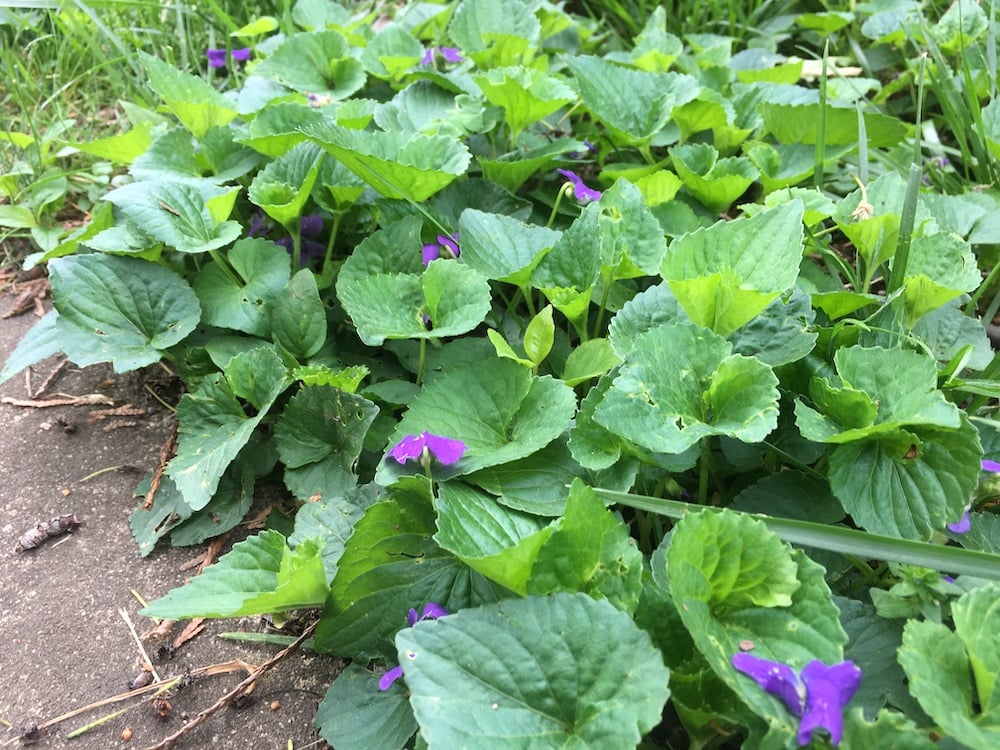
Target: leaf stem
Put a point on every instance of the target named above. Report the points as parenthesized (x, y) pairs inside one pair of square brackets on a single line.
[(421, 361)]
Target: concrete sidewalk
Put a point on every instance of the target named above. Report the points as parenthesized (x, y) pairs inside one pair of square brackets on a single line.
[(63, 643)]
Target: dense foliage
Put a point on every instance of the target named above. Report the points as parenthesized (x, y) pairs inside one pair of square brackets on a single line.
[(627, 395)]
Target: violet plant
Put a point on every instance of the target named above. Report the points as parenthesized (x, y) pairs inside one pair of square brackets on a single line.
[(720, 399)]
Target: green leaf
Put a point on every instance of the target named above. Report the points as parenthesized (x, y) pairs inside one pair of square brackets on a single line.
[(634, 104), (890, 729), (727, 274), (355, 713), (539, 336), (799, 123), (496, 408), (315, 63), (910, 485), (739, 563), (426, 108), (397, 165), (319, 437), (591, 359), (680, 384), (122, 148), (333, 519), (275, 129), (878, 392), (939, 268), (655, 48), (527, 95), (213, 427), (197, 104), (178, 214), (629, 237), (259, 575), (735, 583), (454, 297), (244, 303), (937, 664), (493, 540), (298, 322), (390, 564), (17, 217), (781, 334), (589, 551), (225, 511), (39, 343), (501, 247), (527, 483), (513, 169), (168, 511), (283, 186), (130, 309), (549, 672), (977, 619), (392, 53), (495, 33), (716, 182)]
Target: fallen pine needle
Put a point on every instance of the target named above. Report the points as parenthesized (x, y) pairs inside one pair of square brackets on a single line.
[(94, 724), (138, 643)]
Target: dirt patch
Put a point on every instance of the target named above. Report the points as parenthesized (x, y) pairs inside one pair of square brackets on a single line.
[(63, 642)]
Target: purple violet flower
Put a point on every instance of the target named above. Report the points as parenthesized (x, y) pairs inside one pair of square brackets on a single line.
[(430, 611), (962, 525), (311, 225), (216, 57), (817, 696), (258, 224), (990, 465), (580, 190), (446, 450), (445, 247), (448, 54)]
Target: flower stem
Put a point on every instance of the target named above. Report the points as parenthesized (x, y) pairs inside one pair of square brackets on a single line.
[(555, 206)]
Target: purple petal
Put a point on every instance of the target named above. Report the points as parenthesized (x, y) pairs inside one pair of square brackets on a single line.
[(580, 190), (449, 243), (216, 57), (409, 447), (828, 691), (961, 526), (258, 225), (445, 450), (776, 678), (428, 58), (990, 465), (412, 617), (949, 579), (242, 54), (311, 225), (451, 54), (433, 610), (386, 680), (285, 242), (310, 249), (430, 252)]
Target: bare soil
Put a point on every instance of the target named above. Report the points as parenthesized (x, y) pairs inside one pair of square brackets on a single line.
[(63, 641)]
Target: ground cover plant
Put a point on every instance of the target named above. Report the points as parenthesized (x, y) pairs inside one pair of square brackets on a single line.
[(631, 393)]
